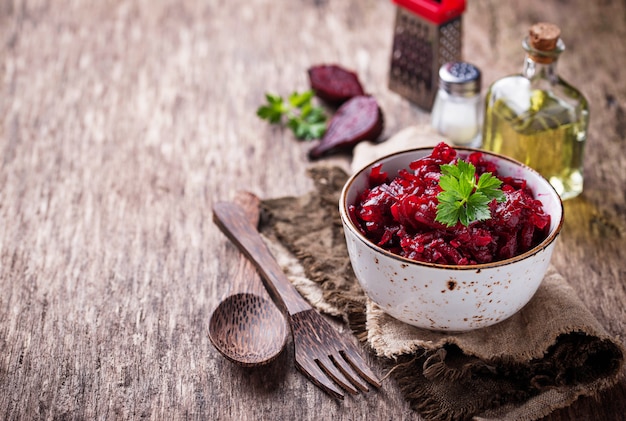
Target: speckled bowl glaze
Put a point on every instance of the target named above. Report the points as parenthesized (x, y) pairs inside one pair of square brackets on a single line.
[(448, 297)]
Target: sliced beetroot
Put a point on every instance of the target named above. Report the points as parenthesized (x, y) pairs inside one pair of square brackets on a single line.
[(334, 84), (358, 119)]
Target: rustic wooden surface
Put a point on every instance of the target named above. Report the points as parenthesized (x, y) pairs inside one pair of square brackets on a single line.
[(121, 122)]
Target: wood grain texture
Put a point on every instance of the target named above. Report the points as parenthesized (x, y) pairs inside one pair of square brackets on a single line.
[(247, 326), (123, 121)]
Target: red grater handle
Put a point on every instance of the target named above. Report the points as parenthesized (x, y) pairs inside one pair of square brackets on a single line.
[(436, 11)]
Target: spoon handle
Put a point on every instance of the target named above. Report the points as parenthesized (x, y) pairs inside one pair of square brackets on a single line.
[(231, 219), (246, 278)]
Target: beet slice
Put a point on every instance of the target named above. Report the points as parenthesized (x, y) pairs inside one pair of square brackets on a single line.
[(358, 119), (334, 84)]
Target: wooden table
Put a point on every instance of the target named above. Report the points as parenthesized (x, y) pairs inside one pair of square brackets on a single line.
[(123, 121)]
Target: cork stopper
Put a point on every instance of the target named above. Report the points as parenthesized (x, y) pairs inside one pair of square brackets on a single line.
[(544, 38)]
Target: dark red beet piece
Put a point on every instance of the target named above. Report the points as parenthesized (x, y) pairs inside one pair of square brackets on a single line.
[(398, 213), (360, 118), (334, 84)]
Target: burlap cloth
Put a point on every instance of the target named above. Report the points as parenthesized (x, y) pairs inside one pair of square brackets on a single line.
[(543, 358)]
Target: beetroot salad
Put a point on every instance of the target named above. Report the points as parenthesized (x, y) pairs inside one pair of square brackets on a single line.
[(399, 215)]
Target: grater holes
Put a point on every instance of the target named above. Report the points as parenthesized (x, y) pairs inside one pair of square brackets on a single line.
[(419, 49)]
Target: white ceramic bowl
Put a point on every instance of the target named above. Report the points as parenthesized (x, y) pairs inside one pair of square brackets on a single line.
[(449, 297)]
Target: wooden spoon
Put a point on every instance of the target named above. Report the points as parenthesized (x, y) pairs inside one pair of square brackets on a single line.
[(247, 327)]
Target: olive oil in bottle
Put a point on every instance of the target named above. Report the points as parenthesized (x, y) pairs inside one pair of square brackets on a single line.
[(538, 118)]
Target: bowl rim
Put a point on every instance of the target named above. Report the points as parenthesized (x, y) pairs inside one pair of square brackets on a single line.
[(347, 221)]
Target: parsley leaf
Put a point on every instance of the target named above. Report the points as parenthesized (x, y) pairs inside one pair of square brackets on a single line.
[(274, 109), (298, 113), (462, 198)]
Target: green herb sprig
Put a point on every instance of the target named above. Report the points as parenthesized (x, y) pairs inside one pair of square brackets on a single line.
[(305, 120), (463, 198)]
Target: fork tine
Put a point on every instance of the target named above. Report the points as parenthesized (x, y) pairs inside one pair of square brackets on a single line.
[(349, 372), (316, 340), (356, 361), (313, 371), (334, 373)]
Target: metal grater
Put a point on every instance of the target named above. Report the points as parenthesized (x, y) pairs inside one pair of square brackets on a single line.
[(428, 34)]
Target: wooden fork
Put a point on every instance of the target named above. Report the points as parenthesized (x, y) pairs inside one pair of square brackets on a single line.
[(321, 353)]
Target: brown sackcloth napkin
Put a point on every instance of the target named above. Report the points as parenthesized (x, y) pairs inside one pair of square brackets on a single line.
[(541, 359)]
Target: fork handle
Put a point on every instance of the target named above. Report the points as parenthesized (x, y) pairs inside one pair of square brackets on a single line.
[(231, 219)]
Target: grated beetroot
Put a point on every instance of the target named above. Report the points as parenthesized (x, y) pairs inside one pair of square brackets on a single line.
[(399, 215)]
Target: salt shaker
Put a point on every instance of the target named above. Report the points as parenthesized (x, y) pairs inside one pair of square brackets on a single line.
[(457, 112)]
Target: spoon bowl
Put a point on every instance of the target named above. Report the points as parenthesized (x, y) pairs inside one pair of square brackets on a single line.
[(247, 327)]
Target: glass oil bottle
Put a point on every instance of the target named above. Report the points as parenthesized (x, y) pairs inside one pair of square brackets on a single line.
[(538, 118)]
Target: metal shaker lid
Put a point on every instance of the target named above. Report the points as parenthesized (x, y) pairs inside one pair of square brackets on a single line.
[(460, 79)]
